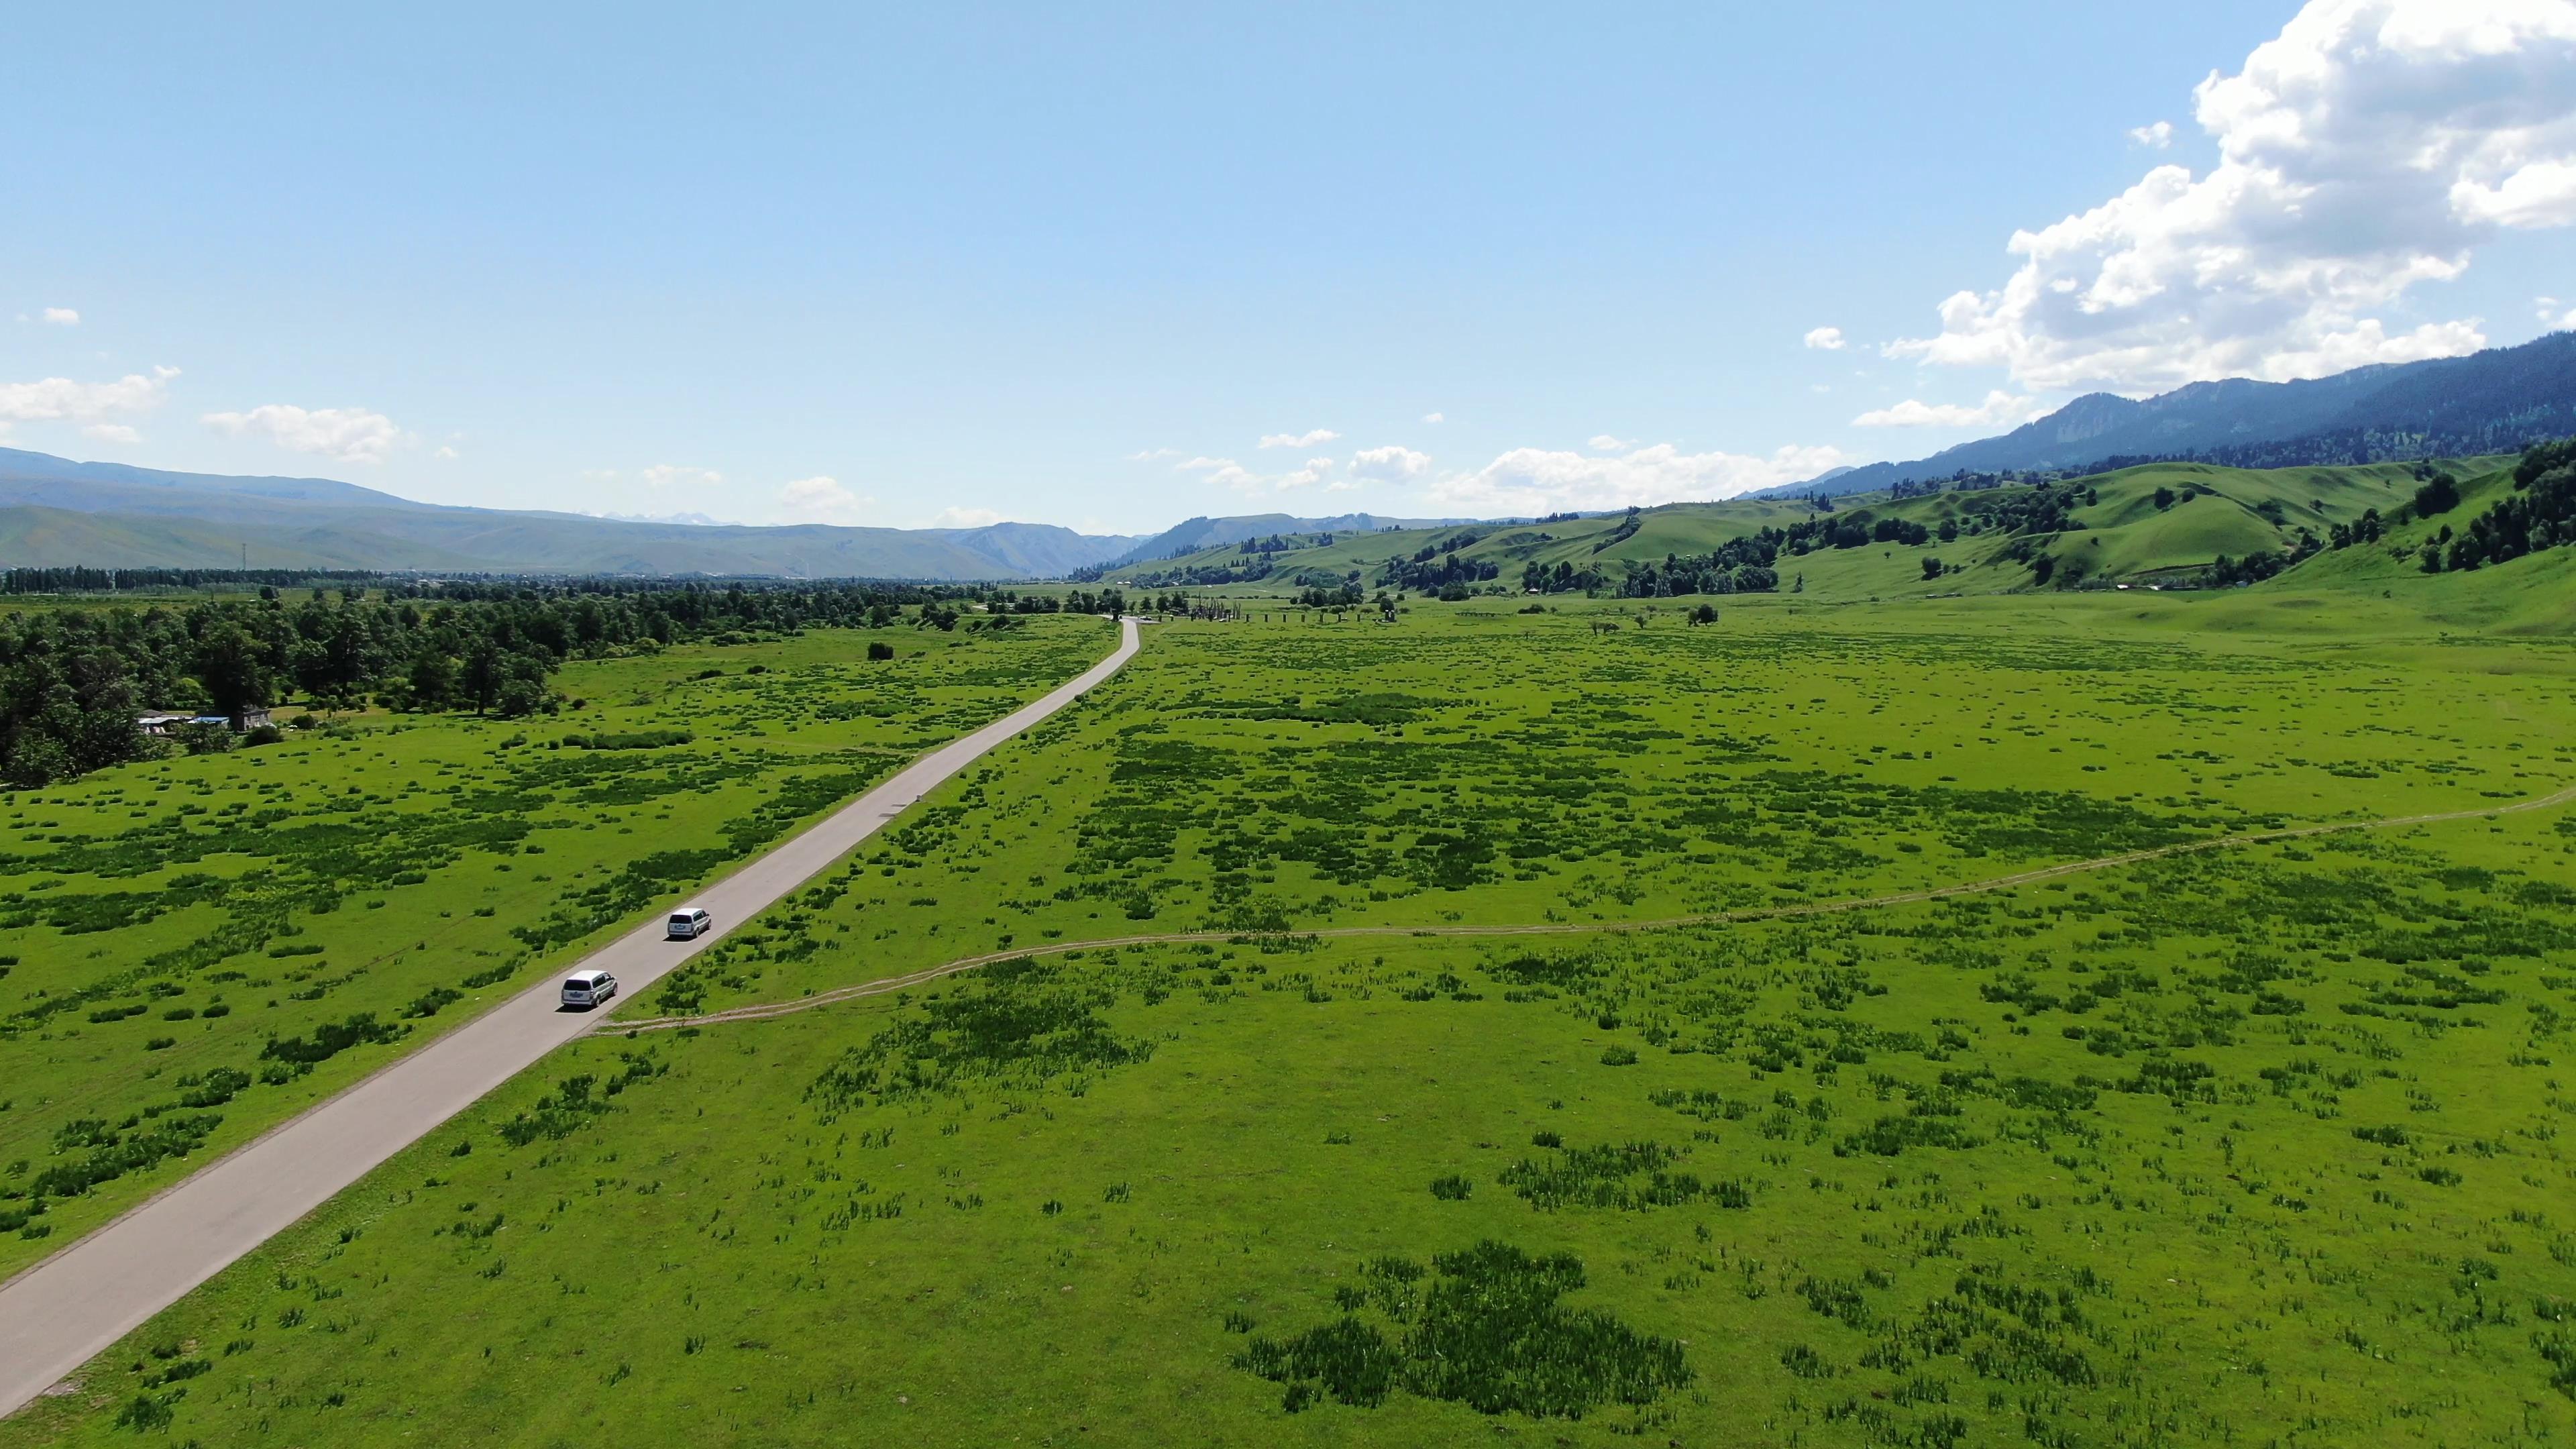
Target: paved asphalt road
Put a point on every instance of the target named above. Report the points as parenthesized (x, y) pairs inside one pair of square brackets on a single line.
[(55, 1316)]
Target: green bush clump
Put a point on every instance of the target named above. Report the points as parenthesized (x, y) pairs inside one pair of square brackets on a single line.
[(578, 1100), (430, 1002), (1488, 1332), (1021, 1024), (114, 1154), (219, 1086), (630, 740), (329, 1040), (1629, 1177), (1890, 1136)]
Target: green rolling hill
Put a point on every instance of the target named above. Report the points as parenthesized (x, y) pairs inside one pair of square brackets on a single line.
[(2117, 532)]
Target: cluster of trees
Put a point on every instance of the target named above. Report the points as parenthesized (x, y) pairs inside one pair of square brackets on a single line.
[(1846, 530), (1627, 529), (1565, 578), (1739, 566), (82, 580), (1197, 576), (1344, 596), (2541, 514), (2254, 568), (72, 681), (1107, 601), (1432, 575), (2366, 529)]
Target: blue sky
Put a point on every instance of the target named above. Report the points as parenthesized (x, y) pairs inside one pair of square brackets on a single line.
[(952, 263)]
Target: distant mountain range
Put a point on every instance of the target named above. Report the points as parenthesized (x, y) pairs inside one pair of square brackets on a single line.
[(1199, 533), (2489, 402), (58, 513), (55, 512)]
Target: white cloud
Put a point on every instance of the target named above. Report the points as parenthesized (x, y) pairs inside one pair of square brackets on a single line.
[(1317, 470), (1604, 443), (1150, 455), (1826, 339), (2000, 409), (1434, 418), (346, 435), (1391, 464), (1536, 480), (965, 518), (1223, 472), (444, 451), (59, 399), (680, 475), (62, 317), (112, 433), (2371, 147), (2156, 137), (819, 499), (1315, 439)]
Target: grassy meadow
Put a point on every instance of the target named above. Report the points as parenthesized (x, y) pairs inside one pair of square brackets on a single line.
[(2253, 1145), (200, 946)]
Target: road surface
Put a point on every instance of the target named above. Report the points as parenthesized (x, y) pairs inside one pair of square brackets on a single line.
[(59, 1314)]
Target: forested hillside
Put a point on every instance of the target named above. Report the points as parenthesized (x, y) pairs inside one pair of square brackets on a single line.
[(2164, 525)]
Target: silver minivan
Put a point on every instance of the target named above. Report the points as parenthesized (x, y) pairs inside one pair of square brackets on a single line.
[(690, 923), (588, 988)]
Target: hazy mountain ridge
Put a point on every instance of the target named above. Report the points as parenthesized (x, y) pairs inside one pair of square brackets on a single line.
[(55, 511), (1191, 535), (2488, 402)]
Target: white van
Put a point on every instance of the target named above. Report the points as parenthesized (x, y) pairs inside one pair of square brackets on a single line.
[(588, 988), (690, 924)]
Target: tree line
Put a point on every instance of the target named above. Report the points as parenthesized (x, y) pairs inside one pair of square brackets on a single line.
[(73, 681)]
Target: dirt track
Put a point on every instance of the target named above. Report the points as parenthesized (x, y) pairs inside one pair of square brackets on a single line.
[(767, 1010)]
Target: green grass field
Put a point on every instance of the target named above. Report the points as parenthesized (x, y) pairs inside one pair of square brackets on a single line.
[(2243, 1145), (201, 946)]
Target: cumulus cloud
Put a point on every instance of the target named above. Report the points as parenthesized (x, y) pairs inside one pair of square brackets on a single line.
[(1604, 443), (1314, 439), (1537, 480), (819, 499), (1826, 339), (2157, 137), (1150, 455), (1317, 470), (62, 317), (679, 475), (346, 435), (1223, 473), (2000, 409), (1391, 464), (1433, 418), (2369, 148), (59, 399)]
